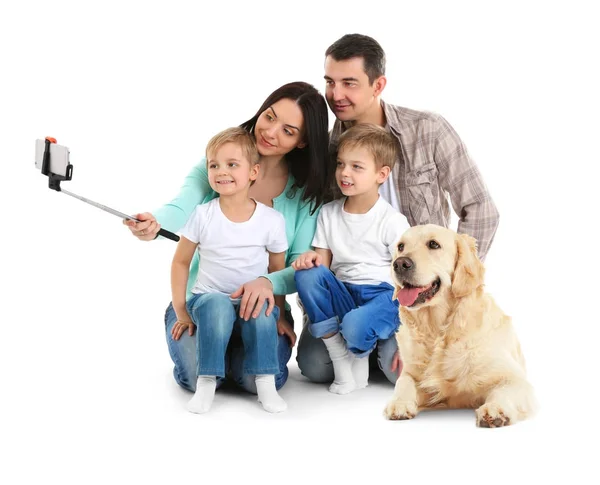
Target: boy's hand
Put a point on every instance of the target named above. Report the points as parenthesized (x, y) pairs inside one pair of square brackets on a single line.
[(307, 260), (179, 328), (284, 328)]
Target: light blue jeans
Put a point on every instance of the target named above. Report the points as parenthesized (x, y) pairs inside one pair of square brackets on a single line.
[(227, 346)]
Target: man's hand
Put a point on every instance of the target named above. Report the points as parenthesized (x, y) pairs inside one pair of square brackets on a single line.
[(397, 363), (284, 328), (307, 260)]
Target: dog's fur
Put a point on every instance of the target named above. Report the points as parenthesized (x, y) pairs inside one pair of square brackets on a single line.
[(458, 348)]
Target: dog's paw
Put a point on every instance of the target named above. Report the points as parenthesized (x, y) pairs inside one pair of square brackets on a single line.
[(490, 415), (400, 410)]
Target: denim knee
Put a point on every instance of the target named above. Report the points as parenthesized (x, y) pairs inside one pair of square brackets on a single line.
[(360, 338), (264, 322), (308, 277), (313, 359), (386, 349), (182, 352)]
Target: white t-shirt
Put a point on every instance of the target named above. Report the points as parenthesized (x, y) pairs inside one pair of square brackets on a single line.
[(362, 245), (233, 253)]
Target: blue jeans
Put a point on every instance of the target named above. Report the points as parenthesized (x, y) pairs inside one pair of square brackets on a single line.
[(363, 314), (225, 345)]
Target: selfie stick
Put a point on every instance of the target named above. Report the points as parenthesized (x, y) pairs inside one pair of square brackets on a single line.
[(55, 180)]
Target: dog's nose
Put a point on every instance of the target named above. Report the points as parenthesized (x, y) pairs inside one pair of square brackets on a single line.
[(403, 264)]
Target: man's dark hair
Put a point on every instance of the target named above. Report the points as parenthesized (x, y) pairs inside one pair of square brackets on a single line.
[(357, 45)]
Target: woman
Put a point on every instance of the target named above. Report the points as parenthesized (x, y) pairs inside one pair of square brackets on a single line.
[(291, 135)]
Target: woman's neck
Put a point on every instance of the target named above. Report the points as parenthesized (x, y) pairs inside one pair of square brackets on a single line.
[(272, 167)]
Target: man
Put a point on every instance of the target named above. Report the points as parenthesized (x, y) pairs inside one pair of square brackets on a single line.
[(432, 160), (432, 163)]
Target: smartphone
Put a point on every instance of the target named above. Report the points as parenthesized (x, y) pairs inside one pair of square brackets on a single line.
[(59, 158)]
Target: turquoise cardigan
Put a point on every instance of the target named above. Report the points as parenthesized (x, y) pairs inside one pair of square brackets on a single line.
[(300, 225)]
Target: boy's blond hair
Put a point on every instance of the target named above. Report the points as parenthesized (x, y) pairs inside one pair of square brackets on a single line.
[(373, 138), (236, 135)]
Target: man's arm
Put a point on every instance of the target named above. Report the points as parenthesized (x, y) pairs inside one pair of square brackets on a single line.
[(459, 176)]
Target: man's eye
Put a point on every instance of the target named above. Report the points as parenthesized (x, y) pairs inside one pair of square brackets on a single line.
[(401, 247), (433, 245)]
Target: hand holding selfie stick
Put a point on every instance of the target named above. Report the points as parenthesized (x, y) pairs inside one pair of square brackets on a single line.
[(66, 173)]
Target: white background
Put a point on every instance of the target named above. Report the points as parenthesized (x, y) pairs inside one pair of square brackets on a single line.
[(135, 89)]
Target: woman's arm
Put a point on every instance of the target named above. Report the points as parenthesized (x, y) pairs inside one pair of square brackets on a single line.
[(172, 216), (283, 281)]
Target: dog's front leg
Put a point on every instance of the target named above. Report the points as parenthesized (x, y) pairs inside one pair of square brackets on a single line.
[(403, 404), (506, 404)]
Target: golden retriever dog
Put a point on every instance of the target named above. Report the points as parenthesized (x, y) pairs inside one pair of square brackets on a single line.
[(458, 348)]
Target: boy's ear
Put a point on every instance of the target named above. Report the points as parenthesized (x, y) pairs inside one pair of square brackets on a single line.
[(254, 171), (383, 174)]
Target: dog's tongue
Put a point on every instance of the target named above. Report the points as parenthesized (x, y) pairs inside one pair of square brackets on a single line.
[(407, 296)]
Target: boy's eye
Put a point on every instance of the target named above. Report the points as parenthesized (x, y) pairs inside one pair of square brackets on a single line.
[(357, 167)]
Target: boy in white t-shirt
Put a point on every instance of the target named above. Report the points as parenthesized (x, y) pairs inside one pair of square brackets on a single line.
[(345, 284), (238, 240)]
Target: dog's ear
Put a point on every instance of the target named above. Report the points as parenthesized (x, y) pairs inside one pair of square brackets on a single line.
[(468, 272)]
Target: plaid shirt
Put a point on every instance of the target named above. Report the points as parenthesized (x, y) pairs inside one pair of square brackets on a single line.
[(432, 163)]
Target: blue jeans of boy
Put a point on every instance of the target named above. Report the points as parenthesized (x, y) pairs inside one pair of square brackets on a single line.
[(225, 344), (363, 314)]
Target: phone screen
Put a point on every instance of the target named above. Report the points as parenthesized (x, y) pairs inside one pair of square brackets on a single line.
[(59, 157)]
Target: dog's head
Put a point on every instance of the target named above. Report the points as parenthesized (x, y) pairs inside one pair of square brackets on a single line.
[(433, 264)]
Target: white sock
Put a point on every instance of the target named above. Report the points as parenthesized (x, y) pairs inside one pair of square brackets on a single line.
[(343, 382), (267, 394), (360, 371), (205, 393)]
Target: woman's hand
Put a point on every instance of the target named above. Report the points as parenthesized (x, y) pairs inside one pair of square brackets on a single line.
[(180, 327), (146, 229), (285, 328), (254, 294), (307, 260)]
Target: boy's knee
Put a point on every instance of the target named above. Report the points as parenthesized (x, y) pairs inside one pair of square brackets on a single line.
[(359, 337), (307, 277), (214, 304), (264, 321)]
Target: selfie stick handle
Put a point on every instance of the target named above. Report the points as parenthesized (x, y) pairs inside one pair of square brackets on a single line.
[(55, 180)]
